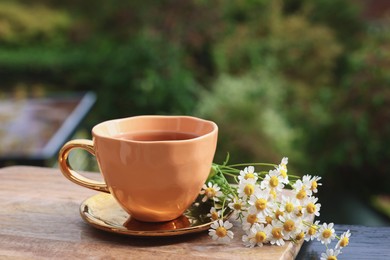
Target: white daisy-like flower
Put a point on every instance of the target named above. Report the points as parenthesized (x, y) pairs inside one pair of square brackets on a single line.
[(261, 204), (312, 231), (214, 214), (311, 182), (326, 233), (272, 181), (300, 231), (211, 191), (246, 188), (277, 233), (330, 254), (301, 190), (257, 235), (284, 161), (268, 219), (344, 240), (250, 219), (248, 173), (238, 206), (282, 170), (311, 207), (288, 204), (277, 212), (283, 174), (299, 211), (219, 231), (289, 226), (315, 183)]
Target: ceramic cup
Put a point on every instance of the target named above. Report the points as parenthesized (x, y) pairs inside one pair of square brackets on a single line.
[(154, 166)]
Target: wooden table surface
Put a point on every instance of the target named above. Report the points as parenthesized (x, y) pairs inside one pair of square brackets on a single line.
[(39, 219)]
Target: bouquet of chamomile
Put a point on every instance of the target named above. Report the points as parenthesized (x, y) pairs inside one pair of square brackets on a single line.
[(271, 206)]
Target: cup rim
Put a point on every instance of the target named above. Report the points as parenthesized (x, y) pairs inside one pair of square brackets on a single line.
[(213, 124)]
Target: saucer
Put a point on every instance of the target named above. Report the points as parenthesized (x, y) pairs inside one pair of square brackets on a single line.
[(103, 212)]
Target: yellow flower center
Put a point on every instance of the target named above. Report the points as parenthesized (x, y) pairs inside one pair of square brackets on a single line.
[(210, 192), (332, 257), (312, 230), (261, 204), (344, 242), (249, 176), (310, 208), (289, 207), (214, 215), (313, 185), (301, 194), (268, 219), (277, 233), (221, 231), (283, 171), (300, 236), (260, 236), (326, 233), (249, 189), (289, 225), (251, 218), (274, 182), (237, 206), (278, 213), (299, 212)]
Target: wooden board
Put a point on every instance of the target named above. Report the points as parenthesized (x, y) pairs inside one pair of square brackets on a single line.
[(39, 218)]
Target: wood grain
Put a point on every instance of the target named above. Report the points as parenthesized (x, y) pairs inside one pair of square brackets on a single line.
[(39, 219)]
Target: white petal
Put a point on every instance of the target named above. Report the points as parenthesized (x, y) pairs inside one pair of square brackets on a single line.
[(227, 224)]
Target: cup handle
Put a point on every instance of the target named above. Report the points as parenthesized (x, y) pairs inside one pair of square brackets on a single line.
[(73, 175)]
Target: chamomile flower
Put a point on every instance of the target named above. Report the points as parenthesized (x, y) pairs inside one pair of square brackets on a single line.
[(246, 188), (301, 190), (220, 231), (272, 181), (298, 211), (315, 183), (330, 254), (283, 174), (248, 173), (268, 219), (250, 219), (277, 233), (312, 231), (326, 233), (288, 205), (282, 170), (284, 162), (260, 203), (257, 235), (211, 191), (344, 240), (214, 214), (298, 235), (278, 213), (311, 182), (237, 205), (311, 207), (289, 226)]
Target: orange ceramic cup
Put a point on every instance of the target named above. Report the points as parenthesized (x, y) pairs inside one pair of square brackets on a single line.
[(154, 166)]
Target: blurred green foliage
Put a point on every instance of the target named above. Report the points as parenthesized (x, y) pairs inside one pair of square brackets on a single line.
[(23, 25), (297, 78)]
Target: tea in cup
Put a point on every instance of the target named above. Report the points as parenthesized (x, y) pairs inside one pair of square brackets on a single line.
[(154, 166)]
